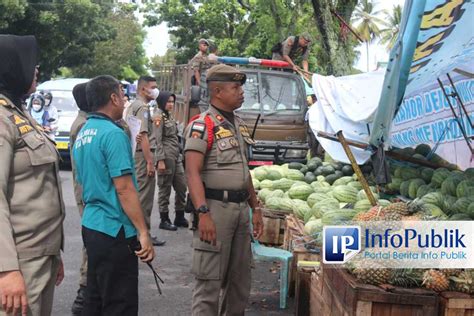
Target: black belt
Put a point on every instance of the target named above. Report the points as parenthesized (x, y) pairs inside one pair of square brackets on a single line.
[(232, 196), (151, 149)]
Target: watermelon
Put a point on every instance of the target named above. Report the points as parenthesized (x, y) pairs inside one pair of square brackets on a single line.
[(273, 203), (423, 190), (263, 193), (301, 192), (331, 178), (309, 177), (450, 184), (460, 217), (419, 157), (361, 195), (324, 190), (461, 205), (300, 208), (266, 184), (313, 227), (395, 184), (285, 204), (398, 172), (327, 170), (295, 165), (320, 178), (338, 216), (448, 204), (322, 206), (383, 202), (408, 151), (469, 172), (318, 171), (276, 193), (298, 183), (362, 205), (304, 169), (337, 165), (427, 174), (342, 181), (316, 197), (355, 184), (408, 173), (347, 170), (282, 184), (423, 149), (435, 211), (260, 173), (256, 184), (404, 188), (434, 198), (345, 193), (413, 187), (463, 188), (274, 175), (470, 210), (313, 164), (320, 184), (295, 175), (439, 175)]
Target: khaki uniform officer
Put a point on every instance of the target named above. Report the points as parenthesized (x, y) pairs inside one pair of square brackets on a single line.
[(221, 191), (169, 158), (31, 204), (144, 155), (200, 62)]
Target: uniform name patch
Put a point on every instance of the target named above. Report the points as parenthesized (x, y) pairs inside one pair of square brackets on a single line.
[(22, 125)]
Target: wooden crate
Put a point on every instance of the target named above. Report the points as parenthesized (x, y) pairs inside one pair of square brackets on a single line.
[(334, 292), (293, 231), (303, 287), (456, 304), (273, 228), (299, 254)]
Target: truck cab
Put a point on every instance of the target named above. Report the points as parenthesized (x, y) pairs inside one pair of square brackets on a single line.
[(276, 98)]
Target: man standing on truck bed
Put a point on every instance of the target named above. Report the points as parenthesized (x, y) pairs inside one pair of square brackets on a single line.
[(200, 62), (221, 191), (292, 48)]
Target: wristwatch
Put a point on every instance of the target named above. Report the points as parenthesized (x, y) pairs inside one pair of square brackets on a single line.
[(203, 209)]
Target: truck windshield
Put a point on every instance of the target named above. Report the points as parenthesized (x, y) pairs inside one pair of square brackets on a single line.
[(278, 94)]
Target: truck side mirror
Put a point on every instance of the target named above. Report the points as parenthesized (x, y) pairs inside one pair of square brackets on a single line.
[(195, 94)]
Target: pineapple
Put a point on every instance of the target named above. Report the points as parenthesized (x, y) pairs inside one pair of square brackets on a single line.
[(406, 277), (399, 208), (464, 282), (373, 214), (371, 273), (451, 272), (435, 280)]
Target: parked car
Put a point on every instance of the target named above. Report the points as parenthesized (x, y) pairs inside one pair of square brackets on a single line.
[(63, 100)]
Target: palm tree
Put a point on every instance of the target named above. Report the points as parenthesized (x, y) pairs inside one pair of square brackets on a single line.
[(367, 23), (390, 34)]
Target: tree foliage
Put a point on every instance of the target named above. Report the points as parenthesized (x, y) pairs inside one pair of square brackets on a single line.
[(73, 33), (392, 22), (252, 27)]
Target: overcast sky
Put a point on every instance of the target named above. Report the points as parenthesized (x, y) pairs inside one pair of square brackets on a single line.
[(157, 40)]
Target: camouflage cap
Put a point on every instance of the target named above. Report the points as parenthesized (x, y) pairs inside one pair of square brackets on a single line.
[(307, 36), (225, 73), (204, 41)]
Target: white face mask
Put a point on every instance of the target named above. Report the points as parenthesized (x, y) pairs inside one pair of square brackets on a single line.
[(36, 107), (154, 93)]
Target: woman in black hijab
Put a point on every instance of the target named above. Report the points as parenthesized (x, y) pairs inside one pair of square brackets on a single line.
[(31, 206), (170, 165)]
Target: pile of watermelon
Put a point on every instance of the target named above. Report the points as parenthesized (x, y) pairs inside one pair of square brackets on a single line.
[(319, 193), (448, 194)]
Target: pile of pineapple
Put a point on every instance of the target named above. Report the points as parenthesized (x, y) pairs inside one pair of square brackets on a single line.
[(435, 279)]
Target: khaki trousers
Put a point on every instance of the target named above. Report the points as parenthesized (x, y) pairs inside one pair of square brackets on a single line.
[(146, 186), (173, 177), (225, 266), (40, 277)]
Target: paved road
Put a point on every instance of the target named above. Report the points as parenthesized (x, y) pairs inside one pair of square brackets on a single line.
[(173, 262)]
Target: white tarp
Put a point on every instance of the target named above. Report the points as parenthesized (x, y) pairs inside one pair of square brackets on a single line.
[(345, 103)]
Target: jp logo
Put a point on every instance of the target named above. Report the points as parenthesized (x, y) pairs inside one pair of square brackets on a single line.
[(340, 243)]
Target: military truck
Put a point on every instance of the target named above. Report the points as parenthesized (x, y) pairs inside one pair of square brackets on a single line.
[(275, 97)]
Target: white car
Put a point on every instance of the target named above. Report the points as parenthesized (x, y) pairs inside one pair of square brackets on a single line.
[(63, 100)]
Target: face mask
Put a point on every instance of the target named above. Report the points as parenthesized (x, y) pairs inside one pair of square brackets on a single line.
[(36, 107), (154, 93)]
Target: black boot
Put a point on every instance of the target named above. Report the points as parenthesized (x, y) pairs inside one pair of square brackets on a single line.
[(166, 222), (78, 304), (179, 220)]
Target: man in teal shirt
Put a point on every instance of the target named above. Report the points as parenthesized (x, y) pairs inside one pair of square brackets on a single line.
[(112, 214)]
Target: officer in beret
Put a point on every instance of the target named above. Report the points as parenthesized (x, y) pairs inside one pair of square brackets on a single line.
[(221, 191), (293, 48), (200, 62)]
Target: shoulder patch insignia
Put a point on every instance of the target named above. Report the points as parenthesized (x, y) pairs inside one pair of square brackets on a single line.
[(197, 130), (221, 132)]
